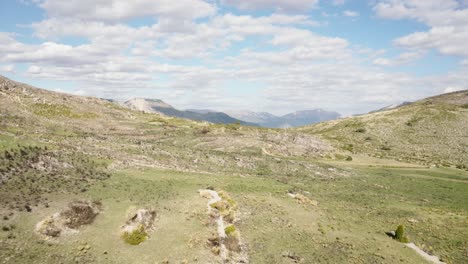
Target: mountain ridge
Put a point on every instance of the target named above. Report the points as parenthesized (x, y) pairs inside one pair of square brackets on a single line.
[(160, 107), (294, 119)]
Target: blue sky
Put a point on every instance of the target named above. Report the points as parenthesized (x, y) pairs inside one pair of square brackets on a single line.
[(261, 55)]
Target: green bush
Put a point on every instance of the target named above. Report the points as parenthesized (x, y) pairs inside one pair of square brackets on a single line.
[(400, 234), (349, 158), (349, 147), (135, 237), (360, 130), (230, 229)]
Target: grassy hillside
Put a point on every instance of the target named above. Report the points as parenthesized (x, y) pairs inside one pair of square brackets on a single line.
[(430, 132), (283, 199)]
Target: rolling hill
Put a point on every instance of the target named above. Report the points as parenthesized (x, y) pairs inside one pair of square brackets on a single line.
[(85, 180), (431, 131)]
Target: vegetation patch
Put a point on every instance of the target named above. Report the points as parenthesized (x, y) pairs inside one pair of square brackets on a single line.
[(136, 236), (139, 223), (27, 173), (59, 110), (400, 234), (302, 199), (77, 213)]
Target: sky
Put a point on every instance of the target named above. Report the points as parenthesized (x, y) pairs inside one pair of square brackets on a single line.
[(279, 56)]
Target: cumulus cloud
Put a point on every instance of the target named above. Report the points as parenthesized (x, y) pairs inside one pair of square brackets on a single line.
[(452, 89), (403, 58), (447, 19), (193, 62), (118, 10), (301, 6), (339, 2), (350, 13), (10, 68)]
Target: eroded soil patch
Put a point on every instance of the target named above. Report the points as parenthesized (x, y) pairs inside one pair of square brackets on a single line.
[(76, 214)]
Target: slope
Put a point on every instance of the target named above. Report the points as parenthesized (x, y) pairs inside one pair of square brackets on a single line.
[(432, 131), (289, 205)]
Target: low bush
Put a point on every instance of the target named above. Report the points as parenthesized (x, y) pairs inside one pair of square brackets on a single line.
[(230, 229), (400, 234), (135, 237)]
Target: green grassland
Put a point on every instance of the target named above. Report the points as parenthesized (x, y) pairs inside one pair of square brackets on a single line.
[(348, 225), (68, 148)]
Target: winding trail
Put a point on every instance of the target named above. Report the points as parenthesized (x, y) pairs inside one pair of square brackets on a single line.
[(432, 259), (228, 255), (223, 253)]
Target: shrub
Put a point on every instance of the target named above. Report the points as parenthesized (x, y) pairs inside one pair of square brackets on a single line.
[(360, 130), (349, 158), (400, 234), (230, 229), (220, 205), (349, 147), (205, 130), (135, 237)]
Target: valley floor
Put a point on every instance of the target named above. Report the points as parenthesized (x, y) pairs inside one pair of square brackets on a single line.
[(347, 226)]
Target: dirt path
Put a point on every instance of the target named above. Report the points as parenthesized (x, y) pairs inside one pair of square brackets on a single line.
[(231, 248), (432, 259), (219, 222)]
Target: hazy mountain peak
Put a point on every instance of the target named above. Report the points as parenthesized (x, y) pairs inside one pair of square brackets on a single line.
[(298, 118), (145, 104)]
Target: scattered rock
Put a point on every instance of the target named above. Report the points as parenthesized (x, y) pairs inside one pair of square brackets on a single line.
[(139, 223), (391, 234), (77, 213), (28, 208), (302, 199), (293, 257)]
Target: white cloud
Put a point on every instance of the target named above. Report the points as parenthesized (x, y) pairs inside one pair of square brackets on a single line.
[(350, 13), (119, 10), (10, 68), (196, 62), (301, 6), (339, 2), (447, 19), (452, 89), (403, 58)]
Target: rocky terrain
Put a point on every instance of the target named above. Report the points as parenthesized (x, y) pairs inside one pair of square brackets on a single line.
[(432, 132), (84, 180)]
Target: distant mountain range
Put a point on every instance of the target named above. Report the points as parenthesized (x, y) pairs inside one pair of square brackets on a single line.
[(159, 106), (264, 119), (295, 119)]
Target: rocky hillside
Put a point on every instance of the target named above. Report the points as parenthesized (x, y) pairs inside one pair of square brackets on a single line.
[(160, 107), (432, 131), (108, 131), (85, 180)]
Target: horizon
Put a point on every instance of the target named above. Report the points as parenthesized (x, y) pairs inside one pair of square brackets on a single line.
[(271, 56)]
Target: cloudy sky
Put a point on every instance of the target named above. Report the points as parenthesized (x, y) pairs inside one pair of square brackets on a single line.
[(263, 55)]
